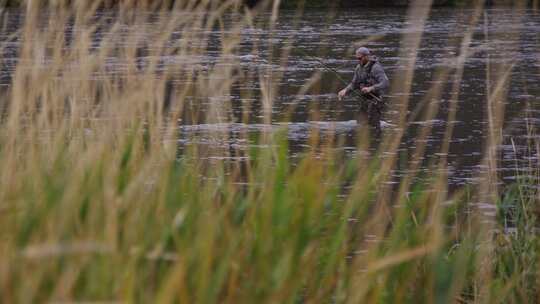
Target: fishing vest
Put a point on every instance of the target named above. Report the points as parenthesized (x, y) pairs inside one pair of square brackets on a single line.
[(366, 78)]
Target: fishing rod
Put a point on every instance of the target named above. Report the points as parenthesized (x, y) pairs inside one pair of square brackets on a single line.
[(336, 73)]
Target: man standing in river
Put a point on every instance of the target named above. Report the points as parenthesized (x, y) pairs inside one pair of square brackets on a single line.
[(370, 81)]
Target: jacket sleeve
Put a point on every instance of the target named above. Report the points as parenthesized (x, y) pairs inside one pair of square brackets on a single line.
[(352, 84), (380, 76)]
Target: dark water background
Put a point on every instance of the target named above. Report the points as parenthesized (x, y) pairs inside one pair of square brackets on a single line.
[(513, 37)]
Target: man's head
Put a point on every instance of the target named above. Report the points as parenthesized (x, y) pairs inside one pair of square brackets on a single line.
[(362, 54)]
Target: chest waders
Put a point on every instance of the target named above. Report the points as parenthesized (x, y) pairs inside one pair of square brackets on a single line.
[(371, 106)]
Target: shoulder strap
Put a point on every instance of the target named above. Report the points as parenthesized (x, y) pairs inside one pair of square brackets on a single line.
[(370, 66)]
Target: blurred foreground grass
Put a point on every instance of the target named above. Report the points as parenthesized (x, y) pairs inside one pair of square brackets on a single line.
[(98, 204)]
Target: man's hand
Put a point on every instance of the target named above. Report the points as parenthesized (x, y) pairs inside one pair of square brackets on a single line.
[(367, 90), (342, 94)]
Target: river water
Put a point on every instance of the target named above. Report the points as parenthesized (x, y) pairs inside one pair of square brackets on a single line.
[(320, 42), (501, 37)]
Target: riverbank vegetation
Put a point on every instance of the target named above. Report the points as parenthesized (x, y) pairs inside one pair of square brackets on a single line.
[(100, 200), (293, 4)]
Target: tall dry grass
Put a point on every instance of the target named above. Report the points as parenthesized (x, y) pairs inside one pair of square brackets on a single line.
[(99, 203)]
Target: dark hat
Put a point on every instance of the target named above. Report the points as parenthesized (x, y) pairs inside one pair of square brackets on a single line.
[(362, 51)]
